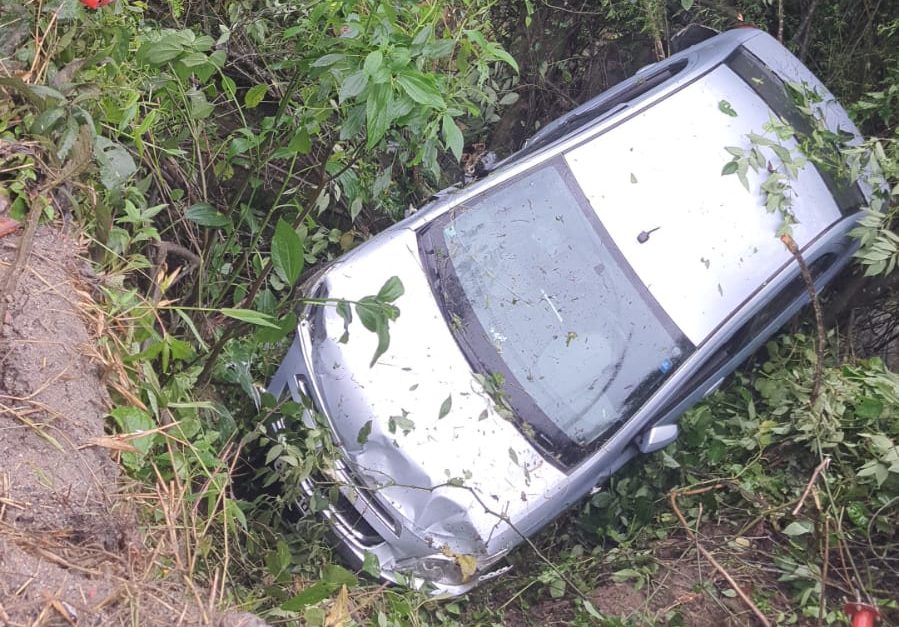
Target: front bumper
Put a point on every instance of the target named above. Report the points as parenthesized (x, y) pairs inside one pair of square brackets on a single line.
[(361, 523)]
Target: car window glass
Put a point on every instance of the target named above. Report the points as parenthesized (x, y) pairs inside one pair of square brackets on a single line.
[(772, 90), (749, 332), (589, 112), (793, 290), (539, 293)]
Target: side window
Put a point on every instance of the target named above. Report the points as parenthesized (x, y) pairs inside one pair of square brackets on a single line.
[(776, 305), (592, 110), (749, 331)]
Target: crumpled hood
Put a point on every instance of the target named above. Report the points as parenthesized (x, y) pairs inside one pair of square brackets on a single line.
[(452, 476)]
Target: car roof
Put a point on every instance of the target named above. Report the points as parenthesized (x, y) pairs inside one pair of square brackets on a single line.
[(707, 260), (716, 244)]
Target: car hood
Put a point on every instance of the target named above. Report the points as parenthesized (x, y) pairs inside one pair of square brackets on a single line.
[(417, 427)]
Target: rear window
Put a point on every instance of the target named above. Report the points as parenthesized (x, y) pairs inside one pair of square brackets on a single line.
[(594, 109), (775, 93)]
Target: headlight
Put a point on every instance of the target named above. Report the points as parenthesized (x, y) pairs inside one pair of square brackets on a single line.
[(435, 568)]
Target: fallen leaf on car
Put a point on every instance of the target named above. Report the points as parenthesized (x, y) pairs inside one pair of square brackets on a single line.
[(468, 564)]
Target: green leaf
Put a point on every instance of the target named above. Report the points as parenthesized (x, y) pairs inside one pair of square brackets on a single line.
[(300, 143), (344, 311), (162, 50), (134, 420), (399, 58), (273, 453), (686, 4), (445, 407), (352, 85), (286, 325), (229, 86), (287, 252), (373, 317), (319, 591), (868, 408), (383, 342), (45, 122), (422, 36), (725, 107), (339, 576), (233, 511), (421, 88), (492, 51), (371, 565), (116, 164), (438, 49), (729, 168), (452, 136), (71, 135), (402, 423), (194, 59), (204, 214), (373, 62), (364, 432), (391, 290), (200, 108), (557, 588), (798, 528), (254, 96), (355, 208), (328, 60), (370, 313), (592, 611), (353, 122), (377, 112), (248, 315), (217, 61), (509, 98)]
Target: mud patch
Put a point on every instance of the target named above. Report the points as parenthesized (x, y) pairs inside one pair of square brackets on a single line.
[(70, 549)]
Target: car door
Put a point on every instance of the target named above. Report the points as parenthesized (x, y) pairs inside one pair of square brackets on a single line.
[(708, 376)]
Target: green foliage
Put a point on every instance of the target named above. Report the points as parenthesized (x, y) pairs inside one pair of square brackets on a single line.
[(761, 438), (216, 162), (213, 188), (876, 232)]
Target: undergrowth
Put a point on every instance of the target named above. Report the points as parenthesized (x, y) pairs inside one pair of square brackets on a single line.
[(215, 156)]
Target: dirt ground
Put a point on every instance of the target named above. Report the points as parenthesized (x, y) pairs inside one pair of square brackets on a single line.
[(71, 550), (674, 597)]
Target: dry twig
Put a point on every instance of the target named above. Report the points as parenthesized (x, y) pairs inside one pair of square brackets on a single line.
[(706, 554), (811, 483), (791, 245)]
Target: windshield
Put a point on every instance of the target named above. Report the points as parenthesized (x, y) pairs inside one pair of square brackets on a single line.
[(536, 291)]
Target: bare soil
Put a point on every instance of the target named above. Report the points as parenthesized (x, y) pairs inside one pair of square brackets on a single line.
[(676, 595), (71, 550)]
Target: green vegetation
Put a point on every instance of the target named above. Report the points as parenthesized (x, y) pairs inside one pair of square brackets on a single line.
[(215, 152)]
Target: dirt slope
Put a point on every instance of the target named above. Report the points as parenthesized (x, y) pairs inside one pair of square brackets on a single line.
[(70, 550)]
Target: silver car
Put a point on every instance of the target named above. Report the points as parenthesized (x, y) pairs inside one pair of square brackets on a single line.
[(561, 313)]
